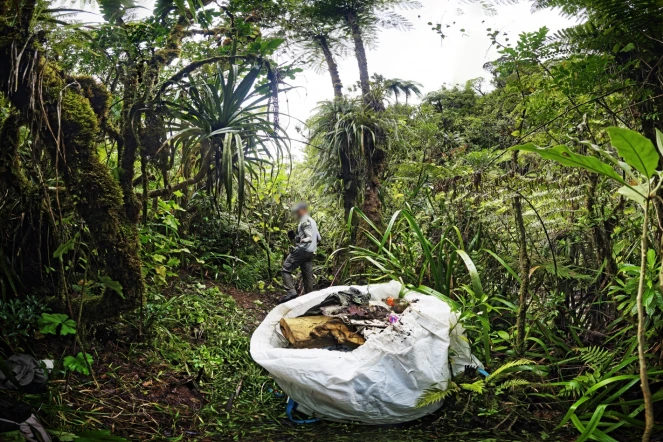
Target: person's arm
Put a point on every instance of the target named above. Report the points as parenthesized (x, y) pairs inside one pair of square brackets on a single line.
[(307, 232)]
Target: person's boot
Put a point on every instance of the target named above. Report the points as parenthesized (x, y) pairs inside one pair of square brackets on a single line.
[(287, 297)]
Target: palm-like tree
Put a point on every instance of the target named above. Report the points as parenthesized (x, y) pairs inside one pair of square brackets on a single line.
[(361, 19), (337, 130), (227, 119), (319, 39), (396, 86), (340, 130)]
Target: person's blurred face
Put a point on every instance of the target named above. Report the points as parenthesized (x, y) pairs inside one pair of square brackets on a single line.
[(300, 213)]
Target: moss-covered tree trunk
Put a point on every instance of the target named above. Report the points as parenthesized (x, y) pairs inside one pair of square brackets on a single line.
[(61, 113)]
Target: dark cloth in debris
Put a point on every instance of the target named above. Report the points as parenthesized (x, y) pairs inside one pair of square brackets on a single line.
[(343, 298), (27, 371), (14, 413)]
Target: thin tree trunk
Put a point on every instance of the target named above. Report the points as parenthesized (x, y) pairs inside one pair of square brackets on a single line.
[(523, 258), (362, 61), (642, 339), (332, 67), (360, 54), (348, 178), (130, 150)]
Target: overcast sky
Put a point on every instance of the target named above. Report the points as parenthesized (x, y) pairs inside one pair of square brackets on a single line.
[(421, 55)]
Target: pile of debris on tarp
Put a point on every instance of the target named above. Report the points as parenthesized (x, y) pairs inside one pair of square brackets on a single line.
[(343, 321), (386, 350)]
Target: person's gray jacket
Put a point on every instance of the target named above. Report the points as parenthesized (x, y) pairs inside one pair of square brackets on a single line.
[(307, 230)]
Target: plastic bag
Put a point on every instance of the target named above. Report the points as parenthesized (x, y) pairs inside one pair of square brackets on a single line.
[(379, 382)]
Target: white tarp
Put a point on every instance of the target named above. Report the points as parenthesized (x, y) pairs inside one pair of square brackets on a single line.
[(379, 382)]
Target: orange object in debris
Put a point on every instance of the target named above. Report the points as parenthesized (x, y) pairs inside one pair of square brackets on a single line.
[(390, 302)]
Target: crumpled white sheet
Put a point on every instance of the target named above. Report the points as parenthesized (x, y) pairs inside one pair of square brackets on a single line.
[(379, 382)]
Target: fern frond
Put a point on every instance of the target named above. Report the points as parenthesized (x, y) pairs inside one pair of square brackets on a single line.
[(513, 383), (435, 395), (508, 365), (475, 387), (596, 357)]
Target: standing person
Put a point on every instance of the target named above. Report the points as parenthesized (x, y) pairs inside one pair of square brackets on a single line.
[(306, 243)]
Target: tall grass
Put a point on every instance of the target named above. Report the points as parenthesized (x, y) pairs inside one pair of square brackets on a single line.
[(405, 253)]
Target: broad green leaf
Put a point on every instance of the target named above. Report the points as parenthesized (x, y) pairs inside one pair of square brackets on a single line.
[(111, 284), (474, 274), (64, 248), (274, 43), (68, 327), (565, 156), (634, 193), (49, 322), (659, 141), (637, 150), (78, 363)]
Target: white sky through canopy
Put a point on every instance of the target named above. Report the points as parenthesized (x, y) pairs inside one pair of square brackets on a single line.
[(421, 55)]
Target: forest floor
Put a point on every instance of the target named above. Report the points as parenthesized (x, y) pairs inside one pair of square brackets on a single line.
[(179, 378)]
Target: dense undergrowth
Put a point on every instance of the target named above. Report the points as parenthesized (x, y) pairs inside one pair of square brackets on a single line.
[(146, 182), (190, 376)]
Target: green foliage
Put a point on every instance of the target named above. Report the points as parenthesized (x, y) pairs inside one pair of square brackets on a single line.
[(226, 117), (396, 86), (50, 322), (403, 252), (87, 436), (625, 288), (507, 368), (341, 130), (636, 150), (607, 398), (489, 385), (563, 155), (111, 284), (596, 357), (78, 363), (19, 318), (164, 250)]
